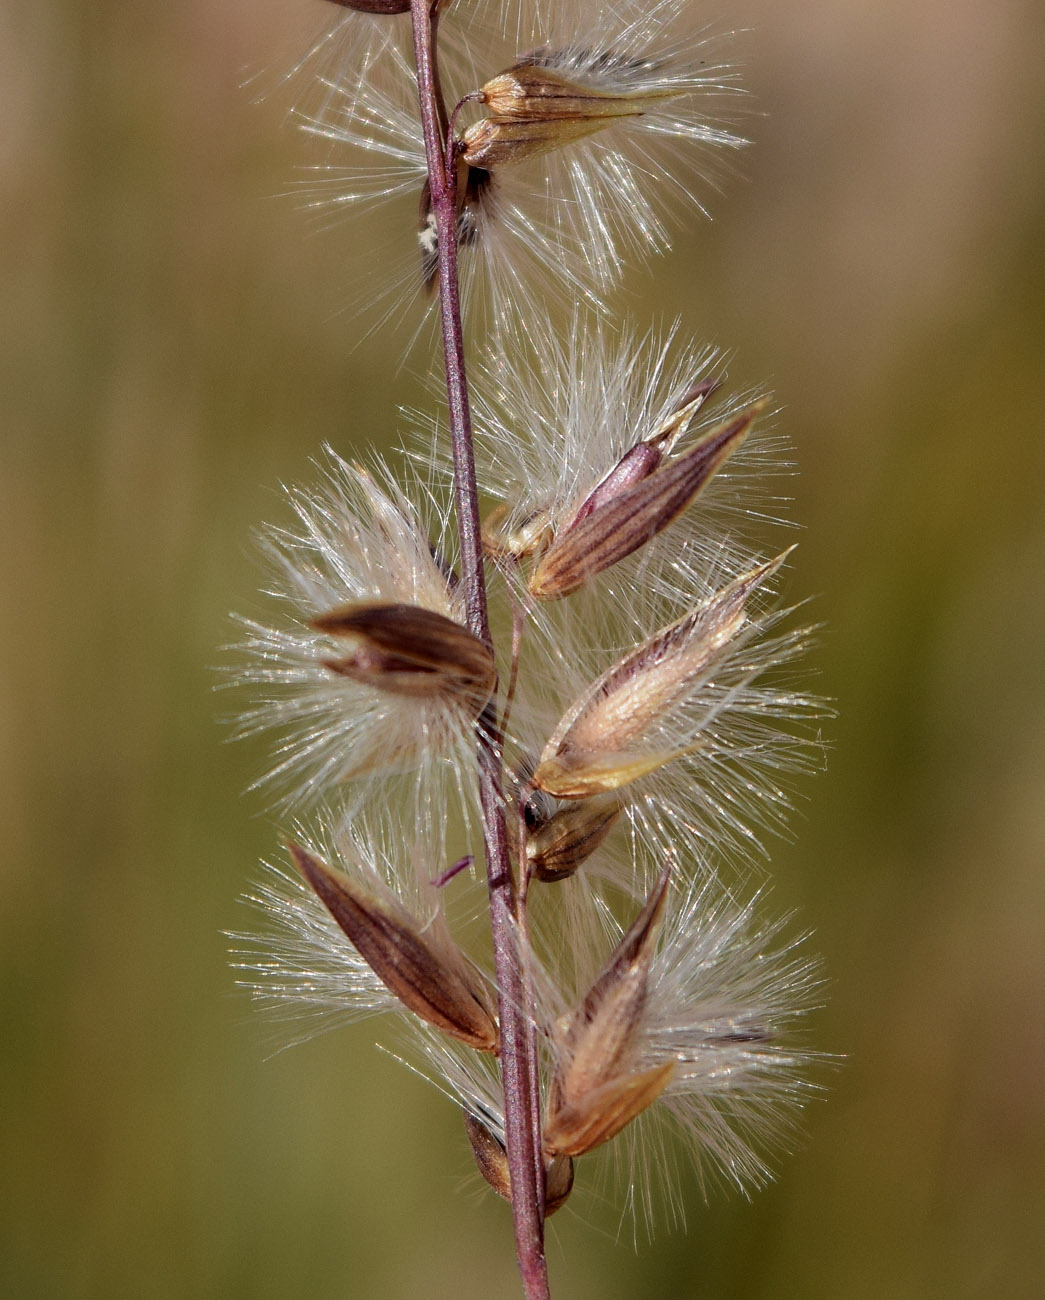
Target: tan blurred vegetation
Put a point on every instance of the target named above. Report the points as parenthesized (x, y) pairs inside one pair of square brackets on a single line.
[(172, 349)]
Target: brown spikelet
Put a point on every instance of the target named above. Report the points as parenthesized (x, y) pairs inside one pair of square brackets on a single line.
[(492, 1162), (596, 1089), (558, 847), (436, 983), (626, 520), (410, 650)]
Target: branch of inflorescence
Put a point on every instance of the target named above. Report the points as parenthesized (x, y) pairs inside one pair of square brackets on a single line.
[(518, 1045)]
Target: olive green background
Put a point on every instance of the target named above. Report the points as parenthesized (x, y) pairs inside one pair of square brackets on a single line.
[(173, 348)]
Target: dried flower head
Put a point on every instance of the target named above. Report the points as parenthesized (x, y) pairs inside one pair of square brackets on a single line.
[(694, 733)]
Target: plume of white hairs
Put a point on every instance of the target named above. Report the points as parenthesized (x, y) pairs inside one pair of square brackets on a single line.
[(545, 648)]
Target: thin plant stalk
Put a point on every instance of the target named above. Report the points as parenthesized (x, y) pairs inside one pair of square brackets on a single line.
[(518, 1047)]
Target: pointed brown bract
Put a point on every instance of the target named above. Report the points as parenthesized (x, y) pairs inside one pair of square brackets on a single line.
[(598, 745), (436, 982), (597, 1088), (410, 650), (645, 457), (629, 518), (492, 1162), (558, 847), (631, 954), (534, 108)]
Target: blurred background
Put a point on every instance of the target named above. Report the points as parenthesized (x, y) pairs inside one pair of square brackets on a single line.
[(173, 349)]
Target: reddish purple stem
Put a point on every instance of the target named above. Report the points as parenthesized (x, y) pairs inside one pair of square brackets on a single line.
[(518, 1048)]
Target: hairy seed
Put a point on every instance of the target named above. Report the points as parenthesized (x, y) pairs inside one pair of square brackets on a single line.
[(437, 984)]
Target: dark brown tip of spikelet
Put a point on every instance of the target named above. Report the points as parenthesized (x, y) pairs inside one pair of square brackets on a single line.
[(409, 650)]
